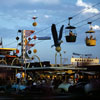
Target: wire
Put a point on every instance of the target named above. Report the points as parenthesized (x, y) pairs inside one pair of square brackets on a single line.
[(74, 24), (67, 19), (10, 43), (86, 19), (86, 23), (43, 29), (78, 13), (72, 16), (77, 27), (86, 9)]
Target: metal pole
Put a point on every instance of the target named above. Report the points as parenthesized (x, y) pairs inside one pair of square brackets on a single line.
[(24, 51), (60, 58), (56, 59), (23, 45)]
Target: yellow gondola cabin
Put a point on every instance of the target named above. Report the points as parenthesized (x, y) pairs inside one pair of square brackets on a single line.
[(90, 38)]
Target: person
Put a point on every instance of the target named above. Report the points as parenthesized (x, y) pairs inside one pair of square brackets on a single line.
[(76, 76), (91, 37), (87, 38), (71, 33), (19, 76)]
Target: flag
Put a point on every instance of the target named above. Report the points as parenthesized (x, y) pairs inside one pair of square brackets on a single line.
[(28, 32), (28, 46), (44, 38)]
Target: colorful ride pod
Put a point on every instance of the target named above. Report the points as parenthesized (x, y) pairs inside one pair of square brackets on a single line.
[(34, 37), (34, 23), (34, 17), (17, 38), (29, 52), (71, 36), (90, 39), (35, 51), (90, 42), (29, 39)]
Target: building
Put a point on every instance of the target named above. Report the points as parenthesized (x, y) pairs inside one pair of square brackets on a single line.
[(84, 61)]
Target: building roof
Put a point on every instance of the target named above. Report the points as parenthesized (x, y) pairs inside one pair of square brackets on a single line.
[(7, 49)]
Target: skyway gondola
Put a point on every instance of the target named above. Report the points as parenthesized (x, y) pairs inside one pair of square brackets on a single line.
[(71, 30)]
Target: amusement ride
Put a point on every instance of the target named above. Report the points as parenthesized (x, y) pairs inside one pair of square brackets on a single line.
[(71, 30), (90, 36)]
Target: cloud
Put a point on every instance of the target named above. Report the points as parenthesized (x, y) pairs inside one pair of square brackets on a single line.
[(91, 10), (88, 7), (34, 11), (47, 16), (45, 1), (96, 27), (15, 2), (31, 11)]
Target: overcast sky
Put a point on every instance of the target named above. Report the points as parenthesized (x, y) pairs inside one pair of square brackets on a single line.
[(17, 14)]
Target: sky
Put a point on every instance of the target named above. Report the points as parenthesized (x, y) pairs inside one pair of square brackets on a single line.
[(17, 14)]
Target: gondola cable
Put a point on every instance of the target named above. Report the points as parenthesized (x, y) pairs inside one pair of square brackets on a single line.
[(86, 23), (86, 19), (42, 41), (65, 19)]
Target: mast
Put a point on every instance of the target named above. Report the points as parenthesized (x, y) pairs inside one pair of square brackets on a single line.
[(23, 47)]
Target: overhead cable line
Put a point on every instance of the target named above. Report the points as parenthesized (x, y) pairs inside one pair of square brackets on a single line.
[(85, 9), (79, 13), (72, 16), (74, 24), (86, 19), (10, 43), (91, 21), (84, 24)]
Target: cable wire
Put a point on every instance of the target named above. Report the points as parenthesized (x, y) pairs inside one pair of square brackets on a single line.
[(67, 19), (86, 19), (86, 23), (85, 9), (10, 43)]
